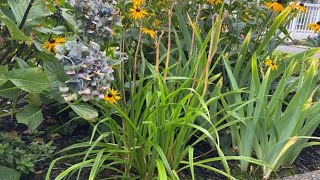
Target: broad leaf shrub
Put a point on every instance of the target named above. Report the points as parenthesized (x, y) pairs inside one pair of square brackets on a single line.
[(149, 75), (21, 156)]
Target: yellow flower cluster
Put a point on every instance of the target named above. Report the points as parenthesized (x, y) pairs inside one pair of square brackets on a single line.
[(214, 2), (271, 64), (137, 12), (277, 6), (112, 96), (300, 7), (315, 27), (52, 44), (149, 32)]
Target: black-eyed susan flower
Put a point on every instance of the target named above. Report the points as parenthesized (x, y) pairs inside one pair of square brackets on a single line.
[(300, 7), (137, 13), (275, 6), (112, 96), (149, 32), (272, 65), (314, 26), (53, 43), (214, 2)]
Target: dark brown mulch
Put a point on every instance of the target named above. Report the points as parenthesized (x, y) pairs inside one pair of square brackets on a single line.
[(309, 159)]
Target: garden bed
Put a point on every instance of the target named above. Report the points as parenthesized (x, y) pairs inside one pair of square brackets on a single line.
[(307, 161), (138, 89)]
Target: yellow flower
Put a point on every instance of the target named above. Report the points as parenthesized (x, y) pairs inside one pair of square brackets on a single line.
[(275, 6), (272, 65), (300, 7), (137, 13), (53, 43), (214, 2), (314, 26), (137, 2), (112, 96), (149, 32)]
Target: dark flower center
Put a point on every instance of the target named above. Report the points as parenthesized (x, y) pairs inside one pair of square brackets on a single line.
[(318, 22), (279, 1), (301, 4), (109, 95), (138, 9), (52, 41)]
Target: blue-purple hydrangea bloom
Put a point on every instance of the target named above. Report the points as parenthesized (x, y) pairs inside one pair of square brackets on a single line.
[(97, 18), (88, 70)]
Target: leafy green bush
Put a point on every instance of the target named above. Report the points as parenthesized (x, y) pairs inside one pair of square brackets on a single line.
[(21, 155)]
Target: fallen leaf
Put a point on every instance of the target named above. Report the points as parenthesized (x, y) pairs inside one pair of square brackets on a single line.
[(54, 136)]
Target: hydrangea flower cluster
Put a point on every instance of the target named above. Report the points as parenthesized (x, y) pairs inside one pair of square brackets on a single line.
[(88, 70), (97, 18)]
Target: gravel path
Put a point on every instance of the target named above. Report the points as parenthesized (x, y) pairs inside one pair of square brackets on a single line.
[(294, 49)]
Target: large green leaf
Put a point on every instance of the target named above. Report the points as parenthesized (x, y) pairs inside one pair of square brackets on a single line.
[(31, 80), (54, 71), (45, 56), (15, 32), (85, 111), (37, 11), (30, 116), (22, 64), (69, 18), (3, 70), (9, 90), (55, 93), (8, 173), (34, 99)]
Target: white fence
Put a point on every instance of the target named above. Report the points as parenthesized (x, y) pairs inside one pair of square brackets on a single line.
[(298, 27)]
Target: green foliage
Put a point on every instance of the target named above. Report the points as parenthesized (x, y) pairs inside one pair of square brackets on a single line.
[(30, 116), (271, 110), (24, 79), (85, 111), (8, 173), (36, 14), (15, 32), (21, 155)]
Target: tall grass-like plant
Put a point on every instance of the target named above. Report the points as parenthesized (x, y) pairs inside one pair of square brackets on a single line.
[(274, 118), (281, 111)]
